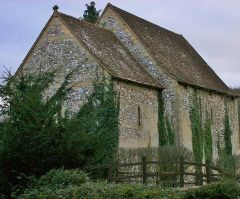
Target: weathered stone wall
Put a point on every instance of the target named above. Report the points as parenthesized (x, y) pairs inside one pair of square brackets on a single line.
[(111, 21), (132, 100), (59, 50), (215, 105)]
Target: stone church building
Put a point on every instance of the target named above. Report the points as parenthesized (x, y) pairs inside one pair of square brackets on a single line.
[(143, 59)]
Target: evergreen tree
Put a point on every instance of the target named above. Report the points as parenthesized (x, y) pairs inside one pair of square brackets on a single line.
[(36, 136), (91, 14)]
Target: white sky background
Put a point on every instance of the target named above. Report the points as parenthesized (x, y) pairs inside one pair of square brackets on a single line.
[(211, 26)]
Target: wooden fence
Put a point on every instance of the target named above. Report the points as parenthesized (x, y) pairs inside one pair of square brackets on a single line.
[(201, 173)]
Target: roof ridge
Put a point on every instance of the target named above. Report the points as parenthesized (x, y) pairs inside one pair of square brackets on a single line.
[(117, 8), (188, 66), (81, 23)]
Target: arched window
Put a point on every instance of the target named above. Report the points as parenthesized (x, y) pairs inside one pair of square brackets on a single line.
[(139, 116)]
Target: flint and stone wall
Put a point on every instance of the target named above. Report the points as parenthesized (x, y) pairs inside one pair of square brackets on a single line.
[(216, 105), (137, 103), (110, 20), (59, 50), (177, 98)]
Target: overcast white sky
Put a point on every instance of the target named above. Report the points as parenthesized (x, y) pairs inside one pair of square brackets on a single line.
[(211, 26)]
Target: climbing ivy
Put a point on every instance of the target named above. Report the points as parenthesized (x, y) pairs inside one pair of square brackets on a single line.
[(201, 131), (170, 131), (227, 134), (208, 148), (165, 127), (99, 116), (161, 122), (197, 129)]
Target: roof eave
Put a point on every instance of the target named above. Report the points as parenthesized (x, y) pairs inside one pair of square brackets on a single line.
[(138, 83), (208, 89)]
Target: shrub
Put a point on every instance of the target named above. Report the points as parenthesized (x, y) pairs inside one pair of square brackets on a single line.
[(74, 184), (36, 136), (101, 190), (57, 179), (229, 164), (169, 155), (225, 190)]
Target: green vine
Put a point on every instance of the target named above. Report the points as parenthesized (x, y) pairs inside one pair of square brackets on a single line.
[(99, 116), (165, 127), (201, 132), (170, 131), (227, 134), (208, 147), (197, 129)]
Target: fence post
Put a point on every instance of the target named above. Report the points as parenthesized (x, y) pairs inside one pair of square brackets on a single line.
[(181, 171), (112, 171), (144, 169), (208, 171), (198, 174)]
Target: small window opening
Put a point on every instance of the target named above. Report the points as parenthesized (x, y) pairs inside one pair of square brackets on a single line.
[(139, 116)]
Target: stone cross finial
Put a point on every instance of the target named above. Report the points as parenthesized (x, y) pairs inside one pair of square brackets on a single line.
[(55, 8)]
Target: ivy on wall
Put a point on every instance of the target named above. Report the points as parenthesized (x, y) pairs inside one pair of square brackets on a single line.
[(99, 116), (201, 132), (208, 148), (197, 129), (165, 127), (227, 134)]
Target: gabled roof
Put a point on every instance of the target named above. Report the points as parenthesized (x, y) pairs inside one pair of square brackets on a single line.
[(173, 53), (106, 49), (109, 51)]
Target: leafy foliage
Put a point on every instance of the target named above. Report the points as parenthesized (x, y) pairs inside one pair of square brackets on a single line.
[(170, 131), (36, 136), (208, 146), (57, 179), (197, 129), (201, 131), (92, 190), (165, 127), (227, 134), (91, 14), (229, 164), (52, 186), (171, 154), (226, 190)]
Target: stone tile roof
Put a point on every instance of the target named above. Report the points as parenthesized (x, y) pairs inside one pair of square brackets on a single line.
[(173, 52), (109, 51)]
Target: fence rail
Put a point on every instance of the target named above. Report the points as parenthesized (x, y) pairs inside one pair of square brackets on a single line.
[(203, 173)]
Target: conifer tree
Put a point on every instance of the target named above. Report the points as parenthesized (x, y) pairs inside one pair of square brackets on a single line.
[(91, 14), (36, 136)]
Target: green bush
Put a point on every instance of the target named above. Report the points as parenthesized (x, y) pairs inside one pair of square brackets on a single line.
[(224, 190), (36, 136), (74, 184), (60, 178), (101, 190), (229, 164), (169, 155)]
